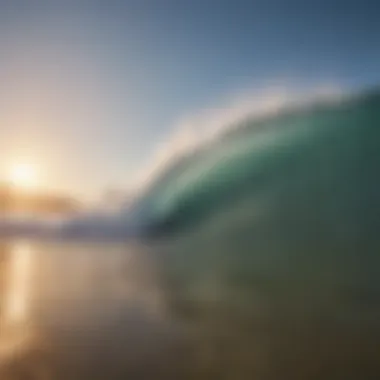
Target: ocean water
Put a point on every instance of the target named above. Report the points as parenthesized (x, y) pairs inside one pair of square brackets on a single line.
[(85, 311), (257, 257)]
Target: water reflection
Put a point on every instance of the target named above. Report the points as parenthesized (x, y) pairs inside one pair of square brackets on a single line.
[(103, 311), (77, 311), (15, 292), (19, 287)]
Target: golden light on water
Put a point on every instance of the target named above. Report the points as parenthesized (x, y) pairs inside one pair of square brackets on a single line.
[(16, 307), (15, 333)]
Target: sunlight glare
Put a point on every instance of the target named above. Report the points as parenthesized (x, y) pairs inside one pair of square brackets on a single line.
[(23, 175)]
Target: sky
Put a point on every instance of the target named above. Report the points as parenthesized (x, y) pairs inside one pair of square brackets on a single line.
[(90, 89)]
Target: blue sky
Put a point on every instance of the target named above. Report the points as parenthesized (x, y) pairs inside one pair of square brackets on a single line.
[(89, 88)]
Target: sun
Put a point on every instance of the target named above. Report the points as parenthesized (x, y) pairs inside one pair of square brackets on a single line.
[(23, 175)]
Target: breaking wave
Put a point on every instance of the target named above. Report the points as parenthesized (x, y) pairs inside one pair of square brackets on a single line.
[(299, 155)]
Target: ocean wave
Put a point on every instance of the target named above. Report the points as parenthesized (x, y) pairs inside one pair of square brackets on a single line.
[(259, 153)]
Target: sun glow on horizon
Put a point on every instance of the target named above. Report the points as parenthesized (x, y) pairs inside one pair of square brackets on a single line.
[(23, 175)]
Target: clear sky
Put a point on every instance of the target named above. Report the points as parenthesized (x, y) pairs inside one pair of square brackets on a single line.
[(89, 88)]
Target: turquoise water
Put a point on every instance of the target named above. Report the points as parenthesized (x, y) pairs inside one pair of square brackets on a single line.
[(258, 259)]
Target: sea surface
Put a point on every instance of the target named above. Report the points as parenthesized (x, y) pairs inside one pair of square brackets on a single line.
[(84, 311)]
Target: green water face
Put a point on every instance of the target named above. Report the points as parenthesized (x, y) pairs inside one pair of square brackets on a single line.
[(278, 273)]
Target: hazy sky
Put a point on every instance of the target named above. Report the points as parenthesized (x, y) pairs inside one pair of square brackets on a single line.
[(89, 88)]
